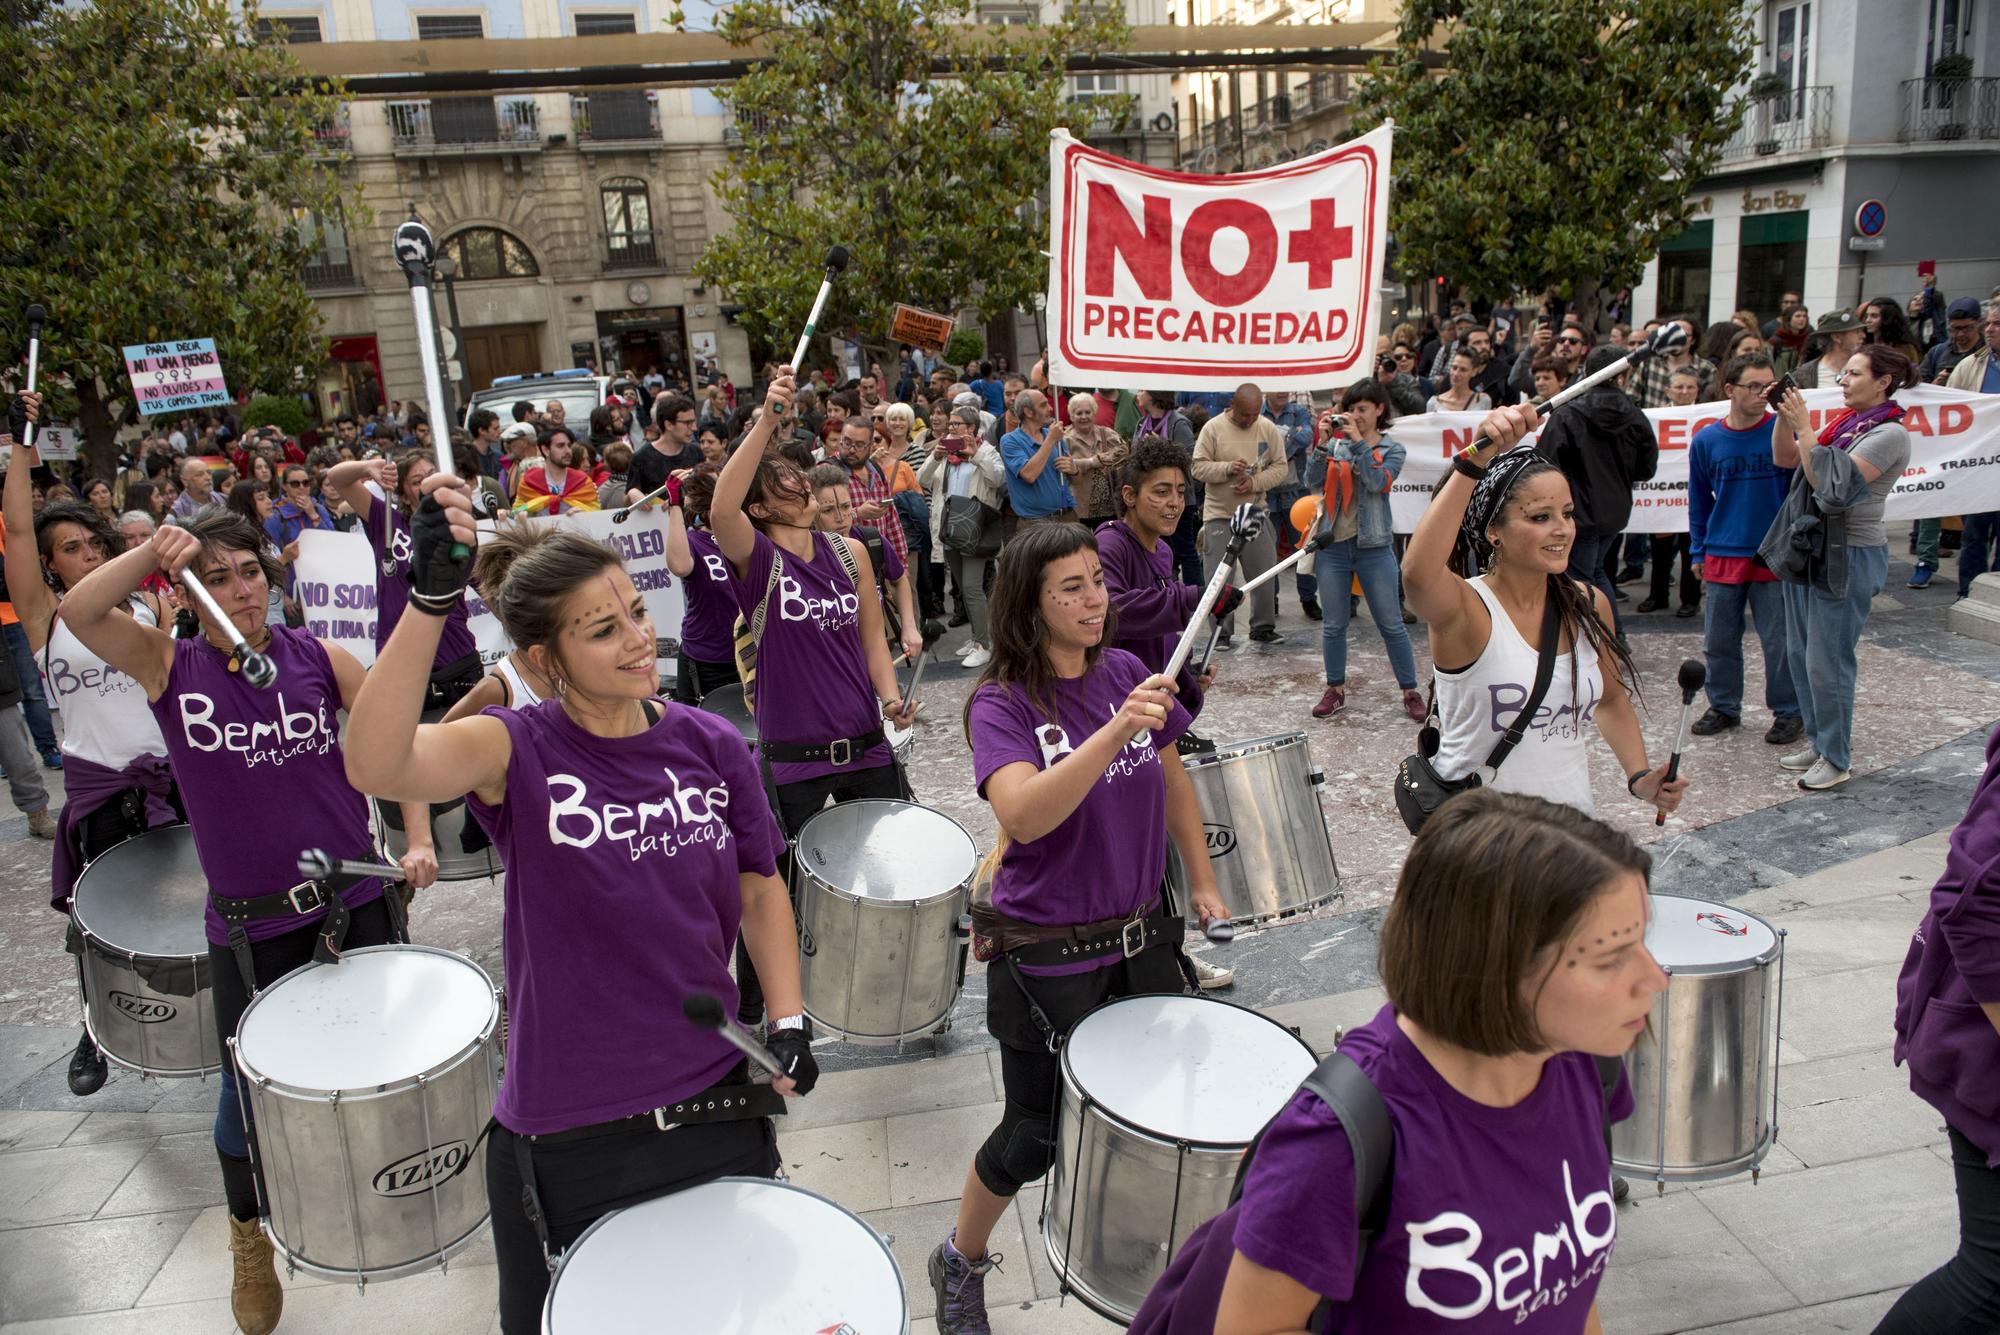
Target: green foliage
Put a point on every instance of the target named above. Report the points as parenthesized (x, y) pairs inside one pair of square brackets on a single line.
[(905, 131), (1557, 150), (284, 411), (964, 346), (157, 167)]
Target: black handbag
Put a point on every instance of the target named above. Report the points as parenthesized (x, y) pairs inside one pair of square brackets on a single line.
[(1419, 791), (971, 527)]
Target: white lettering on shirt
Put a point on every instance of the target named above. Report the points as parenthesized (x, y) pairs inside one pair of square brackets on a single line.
[(683, 816), (717, 571), (294, 732), (1448, 1243), (836, 613)]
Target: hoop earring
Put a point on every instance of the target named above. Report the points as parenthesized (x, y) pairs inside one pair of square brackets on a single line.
[(559, 686)]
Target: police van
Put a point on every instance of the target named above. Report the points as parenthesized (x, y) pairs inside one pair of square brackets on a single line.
[(578, 391)]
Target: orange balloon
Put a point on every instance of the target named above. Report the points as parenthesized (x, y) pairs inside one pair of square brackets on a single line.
[(1304, 513)]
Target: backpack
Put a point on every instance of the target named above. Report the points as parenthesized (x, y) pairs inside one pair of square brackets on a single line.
[(747, 636)]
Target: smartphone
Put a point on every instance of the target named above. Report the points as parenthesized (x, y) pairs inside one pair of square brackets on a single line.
[(1776, 394)]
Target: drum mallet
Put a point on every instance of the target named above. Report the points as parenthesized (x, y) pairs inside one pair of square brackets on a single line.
[(1668, 338), (1693, 676), (414, 252), (704, 1009), (836, 262), (624, 512), (258, 669), (319, 865), (36, 315)]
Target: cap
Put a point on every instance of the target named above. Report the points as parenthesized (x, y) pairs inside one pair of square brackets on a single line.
[(1837, 322), (1965, 308), (518, 430)]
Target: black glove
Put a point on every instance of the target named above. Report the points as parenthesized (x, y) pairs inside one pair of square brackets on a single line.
[(1227, 601), (793, 1049), (437, 577), (17, 418)]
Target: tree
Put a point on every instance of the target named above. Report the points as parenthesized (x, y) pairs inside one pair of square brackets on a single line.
[(904, 131), (160, 157), (1557, 150)]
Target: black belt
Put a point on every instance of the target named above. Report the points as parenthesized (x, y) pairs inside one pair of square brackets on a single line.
[(1158, 927), (841, 750), (302, 899), (718, 1103)]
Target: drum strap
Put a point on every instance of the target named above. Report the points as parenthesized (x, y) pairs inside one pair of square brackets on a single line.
[(840, 751), (306, 897)]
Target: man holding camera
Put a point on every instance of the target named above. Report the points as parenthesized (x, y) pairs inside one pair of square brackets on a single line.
[(1239, 457)]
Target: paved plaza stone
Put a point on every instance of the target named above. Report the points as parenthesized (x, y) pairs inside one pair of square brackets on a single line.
[(110, 1210)]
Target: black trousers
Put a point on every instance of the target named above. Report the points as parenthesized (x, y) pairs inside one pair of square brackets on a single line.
[(1666, 546), (797, 804), (1962, 1296), (580, 1181), (696, 677)]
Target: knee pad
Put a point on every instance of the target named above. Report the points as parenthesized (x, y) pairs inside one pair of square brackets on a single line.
[(1018, 1152)]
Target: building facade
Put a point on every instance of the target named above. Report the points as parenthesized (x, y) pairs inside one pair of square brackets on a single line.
[(1854, 103)]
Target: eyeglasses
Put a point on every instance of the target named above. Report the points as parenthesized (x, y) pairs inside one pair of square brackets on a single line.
[(298, 482), (1757, 386), (1570, 338)]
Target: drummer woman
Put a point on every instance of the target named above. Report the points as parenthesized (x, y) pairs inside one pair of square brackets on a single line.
[(637, 843), (115, 770), (260, 775), (1513, 954), (824, 682), (1073, 747), (708, 627)]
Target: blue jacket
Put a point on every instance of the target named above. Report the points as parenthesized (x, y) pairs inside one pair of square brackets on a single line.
[(1297, 424), (1375, 471), (1735, 489)]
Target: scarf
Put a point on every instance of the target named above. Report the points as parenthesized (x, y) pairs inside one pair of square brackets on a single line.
[(1153, 426), (1489, 494), (1850, 426)]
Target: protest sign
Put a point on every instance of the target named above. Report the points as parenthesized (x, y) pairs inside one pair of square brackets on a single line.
[(175, 376)]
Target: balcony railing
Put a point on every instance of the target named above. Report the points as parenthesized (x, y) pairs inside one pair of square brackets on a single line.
[(335, 133), (329, 271), (639, 249), (1942, 110), (1799, 121), (615, 118), (745, 122), (465, 125), (1321, 93)]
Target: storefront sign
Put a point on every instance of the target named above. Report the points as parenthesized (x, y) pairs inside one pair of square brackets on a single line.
[(1778, 201), (920, 328)]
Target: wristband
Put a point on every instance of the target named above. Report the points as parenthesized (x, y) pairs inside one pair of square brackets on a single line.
[(437, 605), (1462, 463), (786, 1022), (1632, 784)]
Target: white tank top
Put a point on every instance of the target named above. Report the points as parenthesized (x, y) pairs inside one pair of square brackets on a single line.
[(105, 716), (1477, 705), (519, 694)]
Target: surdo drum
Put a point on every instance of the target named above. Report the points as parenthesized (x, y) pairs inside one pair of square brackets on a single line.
[(138, 909), (1705, 1072), (736, 1256), (464, 853), (884, 892), (371, 1081), (1267, 840), (727, 702), (1160, 1097)]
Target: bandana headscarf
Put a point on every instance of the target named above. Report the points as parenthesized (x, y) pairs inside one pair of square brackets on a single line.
[(1488, 495)]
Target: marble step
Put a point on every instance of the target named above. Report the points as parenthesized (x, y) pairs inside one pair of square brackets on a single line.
[(1977, 616)]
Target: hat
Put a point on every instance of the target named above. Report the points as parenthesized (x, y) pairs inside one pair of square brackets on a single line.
[(1837, 322), (1965, 308), (518, 430)]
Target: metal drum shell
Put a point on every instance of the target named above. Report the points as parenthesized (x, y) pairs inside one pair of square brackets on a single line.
[(370, 1183), (1266, 835), (1704, 1072), (877, 971), (447, 835), (168, 1035)]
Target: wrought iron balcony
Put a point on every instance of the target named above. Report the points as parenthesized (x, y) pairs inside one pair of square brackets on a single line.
[(1799, 121), (615, 118), (465, 125), (644, 248), (1944, 110), (329, 271)]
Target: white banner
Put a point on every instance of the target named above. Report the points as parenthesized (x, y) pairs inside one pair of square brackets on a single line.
[(336, 585), (1954, 457), (1164, 279)]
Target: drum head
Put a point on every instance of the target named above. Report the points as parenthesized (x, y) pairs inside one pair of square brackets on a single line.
[(1237, 750), (384, 1014), (738, 1256), (1186, 1068), (887, 850), (727, 702), (147, 895), (1692, 933)]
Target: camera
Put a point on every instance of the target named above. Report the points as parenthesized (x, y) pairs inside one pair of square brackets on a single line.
[(1385, 365)]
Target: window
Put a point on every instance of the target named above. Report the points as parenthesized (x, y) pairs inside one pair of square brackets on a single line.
[(1097, 85), (289, 28), (1791, 56), (1006, 14), (326, 238), (606, 25), (1947, 30), (1770, 260), (444, 27), (1684, 268), (488, 252), (628, 222)]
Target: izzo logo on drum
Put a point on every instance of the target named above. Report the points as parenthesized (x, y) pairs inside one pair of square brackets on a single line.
[(423, 1171), (1221, 840), (144, 1010)]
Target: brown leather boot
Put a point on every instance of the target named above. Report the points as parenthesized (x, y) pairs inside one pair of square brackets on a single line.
[(256, 1299)]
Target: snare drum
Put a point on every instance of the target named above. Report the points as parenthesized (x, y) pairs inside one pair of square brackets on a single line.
[(1267, 840), (139, 908), (884, 890), (1160, 1097), (727, 702), (371, 1081), (1705, 1073), (464, 853), (737, 1256)]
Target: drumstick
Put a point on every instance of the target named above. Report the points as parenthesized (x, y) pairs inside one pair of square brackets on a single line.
[(910, 694), (705, 1010), (1693, 675), (320, 865), (258, 670)]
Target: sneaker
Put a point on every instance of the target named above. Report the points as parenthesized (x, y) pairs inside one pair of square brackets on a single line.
[(1331, 703), (1686, 610), (42, 824), (1415, 705), (86, 1068), (961, 1290), (1651, 605), (1628, 574), (965, 649), (1409, 617), (1714, 721), (1784, 731), (1798, 762), (1208, 976), (959, 618), (1310, 607), (1266, 635), (51, 760), (1618, 595), (979, 657), (1823, 776), (1920, 578), (256, 1299), (1224, 641)]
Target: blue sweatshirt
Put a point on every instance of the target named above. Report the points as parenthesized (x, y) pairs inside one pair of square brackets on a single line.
[(1734, 489)]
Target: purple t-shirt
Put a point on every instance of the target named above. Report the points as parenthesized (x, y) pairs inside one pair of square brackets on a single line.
[(1107, 858), (392, 587), (708, 626), (1500, 1219), (261, 773), (622, 859), (812, 674), (1153, 604)]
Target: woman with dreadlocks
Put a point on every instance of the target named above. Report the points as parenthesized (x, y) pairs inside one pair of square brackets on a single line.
[(1485, 569)]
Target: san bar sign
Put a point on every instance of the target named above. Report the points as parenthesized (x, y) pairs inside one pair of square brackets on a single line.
[(1164, 278)]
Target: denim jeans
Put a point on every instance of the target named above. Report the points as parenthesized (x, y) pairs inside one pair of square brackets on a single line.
[(1722, 646), (1963, 1295), (1335, 565), (1975, 552), (1586, 565), (1821, 631), (34, 705), (1281, 500)]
